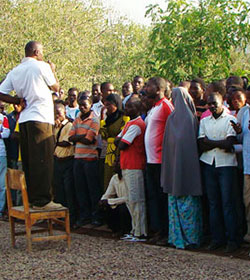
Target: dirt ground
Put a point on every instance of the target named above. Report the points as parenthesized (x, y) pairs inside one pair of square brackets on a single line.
[(95, 254)]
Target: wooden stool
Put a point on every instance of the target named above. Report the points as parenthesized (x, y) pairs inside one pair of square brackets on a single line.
[(15, 180)]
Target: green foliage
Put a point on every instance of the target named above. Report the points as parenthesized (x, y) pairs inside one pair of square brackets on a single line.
[(197, 40), (77, 37)]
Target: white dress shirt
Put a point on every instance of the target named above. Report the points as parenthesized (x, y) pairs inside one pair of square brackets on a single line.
[(30, 80), (217, 130)]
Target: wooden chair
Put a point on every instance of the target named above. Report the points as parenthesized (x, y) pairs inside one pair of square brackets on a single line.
[(15, 180)]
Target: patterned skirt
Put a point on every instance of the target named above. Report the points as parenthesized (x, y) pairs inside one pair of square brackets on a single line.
[(185, 221)]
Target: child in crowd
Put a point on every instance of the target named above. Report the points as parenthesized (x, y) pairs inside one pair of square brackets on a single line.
[(114, 204), (133, 160), (4, 133), (72, 107), (63, 162), (88, 192)]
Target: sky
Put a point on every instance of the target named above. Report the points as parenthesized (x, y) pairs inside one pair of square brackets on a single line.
[(134, 9)]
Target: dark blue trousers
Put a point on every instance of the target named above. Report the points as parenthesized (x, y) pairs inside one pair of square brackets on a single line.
[(64, 185), (219, 187), (88, 190)]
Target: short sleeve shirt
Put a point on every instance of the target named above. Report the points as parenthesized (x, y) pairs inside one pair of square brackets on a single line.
[(155, 127), (30, 80), (90, 128), (218, 129), (62, 152)]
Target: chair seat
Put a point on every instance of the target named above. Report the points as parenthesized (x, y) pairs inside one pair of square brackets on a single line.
[(31, 210)]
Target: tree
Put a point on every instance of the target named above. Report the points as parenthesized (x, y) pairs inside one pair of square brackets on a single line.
[(77, 36), (190, 39)]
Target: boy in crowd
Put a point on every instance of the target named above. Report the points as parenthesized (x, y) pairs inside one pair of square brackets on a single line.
[(84, 134), (72, 107), (97, 99), (127, 90), (63, 162), (132, 161), (216, 139), (4, 133), (155, 127), (242, 128), (114, 204), (197, 91), (137, 84)]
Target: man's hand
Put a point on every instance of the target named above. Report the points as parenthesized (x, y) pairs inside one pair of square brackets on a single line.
[(22, 103), (52, 66), (57, 123), (103, 203), (237, 127)]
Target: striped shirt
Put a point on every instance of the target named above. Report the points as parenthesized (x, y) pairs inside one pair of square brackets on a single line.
[(90, 128)]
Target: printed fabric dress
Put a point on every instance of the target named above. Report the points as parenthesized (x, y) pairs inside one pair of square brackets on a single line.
[(185, 221)]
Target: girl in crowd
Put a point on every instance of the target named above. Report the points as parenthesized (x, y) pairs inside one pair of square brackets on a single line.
[(110, 128)]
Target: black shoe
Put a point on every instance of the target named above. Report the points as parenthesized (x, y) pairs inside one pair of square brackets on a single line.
[(81, 223), (231, 247), (96, 223), (214, 246), (162, 241)]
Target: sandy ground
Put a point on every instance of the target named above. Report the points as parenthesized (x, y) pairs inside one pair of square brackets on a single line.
[(96, 257)]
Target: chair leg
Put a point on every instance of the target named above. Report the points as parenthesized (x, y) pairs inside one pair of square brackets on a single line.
[(67, 228), (28, 234), (50, 227), (12, 231)]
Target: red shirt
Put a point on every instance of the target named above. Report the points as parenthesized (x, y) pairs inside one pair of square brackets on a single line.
[(133, 134), (155, 122)]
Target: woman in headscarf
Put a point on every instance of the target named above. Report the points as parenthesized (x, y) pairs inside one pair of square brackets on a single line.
[(180, 172), (110, 128)]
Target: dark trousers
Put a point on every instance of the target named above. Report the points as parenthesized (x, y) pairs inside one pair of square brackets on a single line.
[(87, 187), (219, 186), (239, 203), (118, 219), (64, 185), (37, 147), (157, 201)]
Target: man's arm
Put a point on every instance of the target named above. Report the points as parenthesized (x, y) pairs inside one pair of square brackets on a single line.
[(56, 86), (63, 144), (206, 144), (12, 100), (203, 146), (81, 139), (123, 145)]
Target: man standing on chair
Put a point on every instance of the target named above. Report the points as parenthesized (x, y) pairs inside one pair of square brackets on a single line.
[(32, 81)]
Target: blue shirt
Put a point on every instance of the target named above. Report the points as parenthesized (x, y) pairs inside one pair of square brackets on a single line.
[(246, 141)]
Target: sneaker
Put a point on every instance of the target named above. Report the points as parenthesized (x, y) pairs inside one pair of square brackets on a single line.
[(136, 239), (126, 236), (49, 206)]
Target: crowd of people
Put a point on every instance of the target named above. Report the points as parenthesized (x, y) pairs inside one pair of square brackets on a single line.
[(165, 163)]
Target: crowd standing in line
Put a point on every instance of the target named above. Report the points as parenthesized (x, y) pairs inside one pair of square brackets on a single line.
[(166, 164)]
